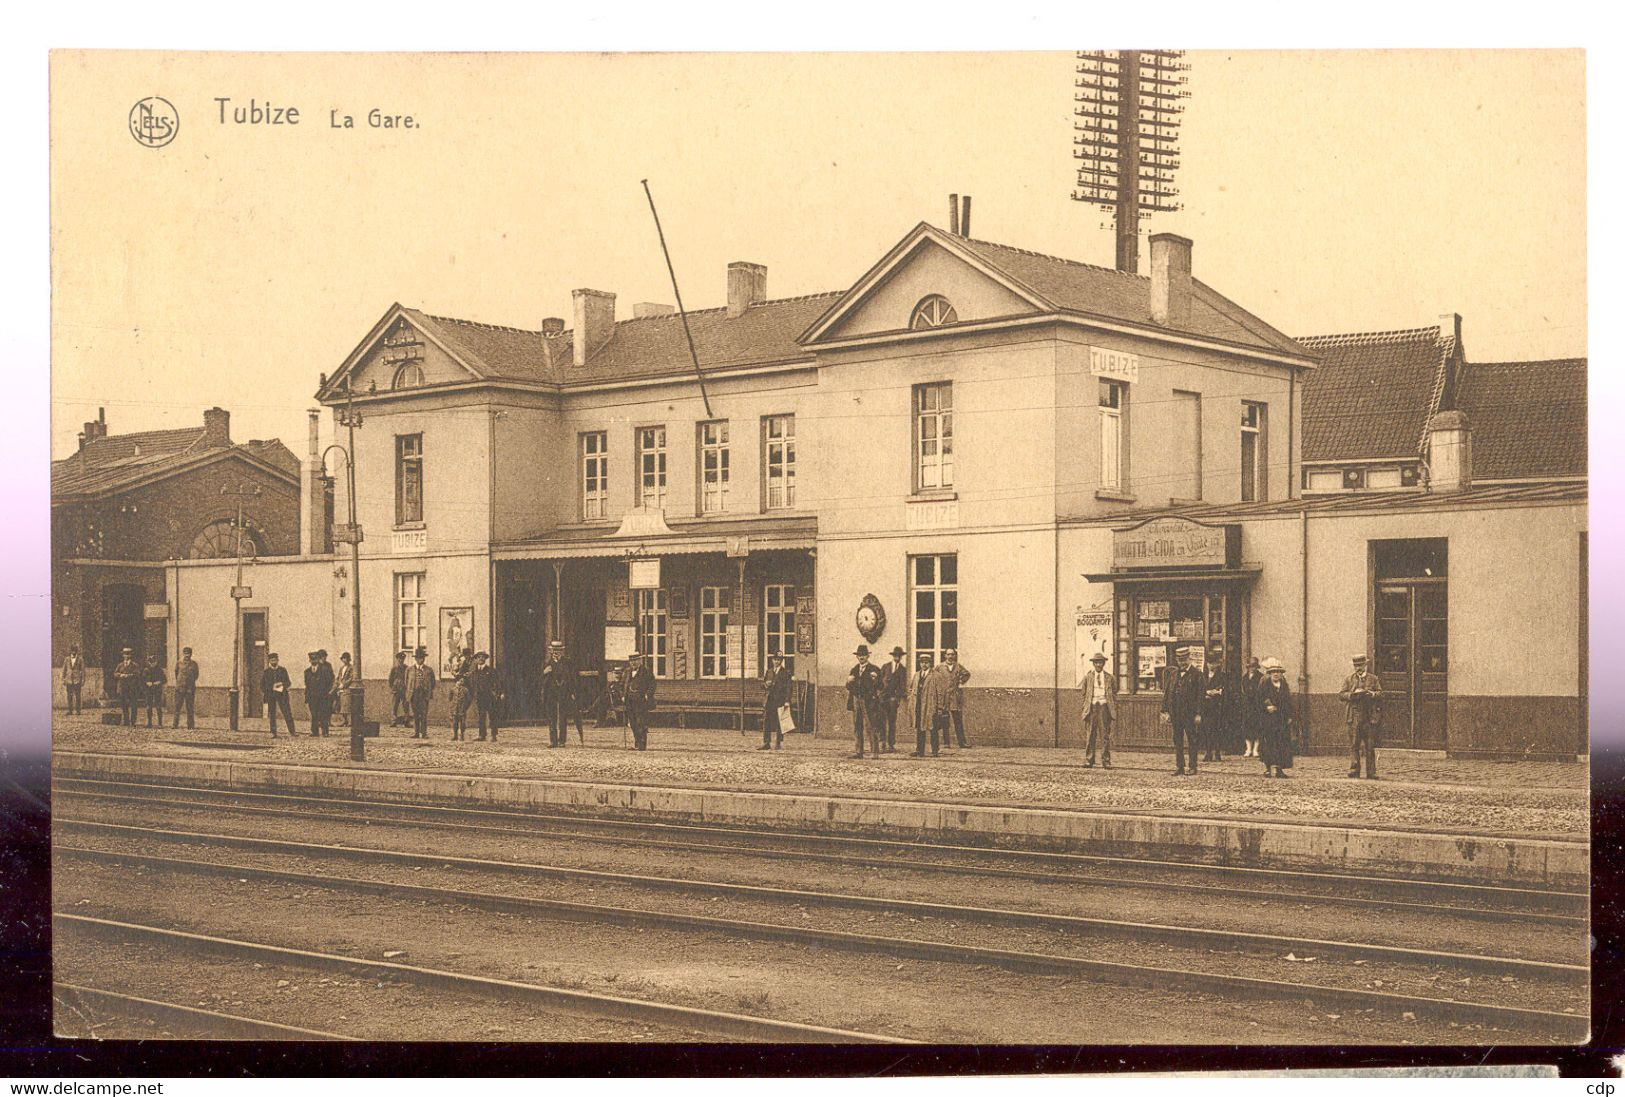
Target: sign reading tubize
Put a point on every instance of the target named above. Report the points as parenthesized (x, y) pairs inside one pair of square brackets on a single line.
[(1114, 364), (1176, 542)]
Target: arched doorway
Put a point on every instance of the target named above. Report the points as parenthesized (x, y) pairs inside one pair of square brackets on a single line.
[(122, 627)]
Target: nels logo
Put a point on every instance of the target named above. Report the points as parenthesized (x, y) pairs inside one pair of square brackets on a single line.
[(154, 122)]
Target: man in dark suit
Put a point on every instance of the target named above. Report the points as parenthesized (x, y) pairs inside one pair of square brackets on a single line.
[(1099, 709), (483, 688), (419, 690), (153, 680), (186, 672), (893, 688), (1216, 703), (559, 683), (276, 687), (863, 700), (127, 685), (1182, 707), (640, 698), (778, 695), (319, 693)]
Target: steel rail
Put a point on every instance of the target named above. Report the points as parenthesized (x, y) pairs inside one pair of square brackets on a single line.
[(244, 1028), (944, 868), (637, 1009), (1416, 885), (1144, 931), (1138, 975)]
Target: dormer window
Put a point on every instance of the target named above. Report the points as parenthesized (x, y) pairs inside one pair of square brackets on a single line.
[(409, 376), (932, 312)]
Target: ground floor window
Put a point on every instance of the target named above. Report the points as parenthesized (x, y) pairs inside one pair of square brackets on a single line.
[(779, 623), (934, 604), (653, 633), (713, 632), (1152, 624), (411, 624)]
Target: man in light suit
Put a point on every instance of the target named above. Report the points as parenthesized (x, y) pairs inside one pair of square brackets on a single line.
[(1099, 709), (1362, 698)]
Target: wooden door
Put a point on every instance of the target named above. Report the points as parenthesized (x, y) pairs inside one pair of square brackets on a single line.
[(1413, 658), (256, 646)]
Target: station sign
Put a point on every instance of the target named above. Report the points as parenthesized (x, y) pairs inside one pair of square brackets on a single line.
[(1176, 542), (643, 574), (242, 592)]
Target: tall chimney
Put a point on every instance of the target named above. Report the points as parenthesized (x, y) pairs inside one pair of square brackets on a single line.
[(1170, 280), (94, 429), (312, 502), (1450, 452), (747, 286), (216, 428), (594, 321), (964, 215), (953, 214)]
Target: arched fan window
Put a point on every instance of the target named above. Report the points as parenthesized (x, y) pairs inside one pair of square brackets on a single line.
[(932, 312), (218, 541), (409, 376)]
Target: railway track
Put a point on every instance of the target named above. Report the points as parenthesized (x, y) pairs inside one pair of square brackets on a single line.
[(1458, 900), (716, 1022), (86, 1002)]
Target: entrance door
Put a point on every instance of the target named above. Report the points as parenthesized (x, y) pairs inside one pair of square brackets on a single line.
[(524, 640), (256, 645), (122, 627), (1413, 660)]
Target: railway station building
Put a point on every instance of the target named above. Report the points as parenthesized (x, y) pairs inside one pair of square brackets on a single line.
[(973, 446)]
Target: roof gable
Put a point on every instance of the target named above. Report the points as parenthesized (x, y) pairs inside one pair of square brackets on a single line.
[(1374, 393), (402, 341), (74, 479)]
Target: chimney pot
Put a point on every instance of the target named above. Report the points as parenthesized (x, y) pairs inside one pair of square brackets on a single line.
[(594, 322), (747, 286), (1170, 280), (216, 428), (645, 309), (553, 326)]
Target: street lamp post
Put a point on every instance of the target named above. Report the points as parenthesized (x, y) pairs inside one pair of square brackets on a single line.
[(349, 418), (238, 593)]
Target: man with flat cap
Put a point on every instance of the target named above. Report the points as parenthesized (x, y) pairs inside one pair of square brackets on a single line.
[(863, 700), (1099, 709), (1362, 702), (893, 688), (127, 686), (640, 698), (1182, 697), (319, 693), (559, 683), (419, 690)]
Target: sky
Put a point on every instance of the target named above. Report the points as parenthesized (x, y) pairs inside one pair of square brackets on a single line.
[(1325, 191)]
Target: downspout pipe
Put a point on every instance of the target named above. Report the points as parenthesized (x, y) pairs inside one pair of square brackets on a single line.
[(1303, 556)]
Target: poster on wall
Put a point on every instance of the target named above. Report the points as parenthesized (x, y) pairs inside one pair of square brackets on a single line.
[(456, 634), (619, 642), (1092, 633), (1152, 660)]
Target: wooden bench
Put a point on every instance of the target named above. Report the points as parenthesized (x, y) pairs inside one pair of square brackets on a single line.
[(708, 700)]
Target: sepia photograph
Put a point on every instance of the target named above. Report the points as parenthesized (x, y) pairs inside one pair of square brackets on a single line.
[(1084, 548)]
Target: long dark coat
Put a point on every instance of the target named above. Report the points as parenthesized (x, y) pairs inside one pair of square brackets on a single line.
[(1247, 708), (1275, 728), (1215, 710)]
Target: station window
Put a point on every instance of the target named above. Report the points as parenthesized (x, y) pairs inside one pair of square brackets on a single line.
[(652, 468), (714, 466), (1153, 624), (779, 461), (411, 614), (1254, 459), (934, 436), (779, 623), (713, 632), (1113, 395), (652, 629), (934, 604), (408, 479), (594, 475)]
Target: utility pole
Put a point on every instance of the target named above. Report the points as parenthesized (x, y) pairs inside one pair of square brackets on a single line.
[(1128, 137), (350, 418), (238, 593)]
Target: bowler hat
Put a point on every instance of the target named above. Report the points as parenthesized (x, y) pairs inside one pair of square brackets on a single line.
[(482, 655), (1098, 657), (862, 649), (898, 651), (420, 653)]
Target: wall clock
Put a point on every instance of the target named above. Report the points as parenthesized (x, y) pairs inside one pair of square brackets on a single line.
[(871, 618)]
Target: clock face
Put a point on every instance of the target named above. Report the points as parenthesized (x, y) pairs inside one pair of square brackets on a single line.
[(866, 618)]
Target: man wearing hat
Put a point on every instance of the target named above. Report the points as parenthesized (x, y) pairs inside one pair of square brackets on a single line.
[(319, 693), (1182, 708), (863, 700), (419, 690), (1099, 709), (73, 679), (481, 683), (957, 677), (127, 685), (559, 683), (1362, 701), (275, 686), (153, 680), (1245, 714), (186, 672), (893, 688), (640, 698), (778, 695)]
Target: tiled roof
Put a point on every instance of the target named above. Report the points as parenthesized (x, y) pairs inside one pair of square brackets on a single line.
[(112, 463), (1373, 393), (646, 347), (1528, 419), (1104, 291)]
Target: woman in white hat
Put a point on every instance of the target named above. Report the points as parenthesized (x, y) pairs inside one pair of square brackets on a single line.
[(1274, 700)]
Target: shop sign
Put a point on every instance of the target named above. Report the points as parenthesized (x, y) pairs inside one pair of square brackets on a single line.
[(158, 611), (805, 607), (1114, 364), (1176, 542), (1093, 633), (644, 574)]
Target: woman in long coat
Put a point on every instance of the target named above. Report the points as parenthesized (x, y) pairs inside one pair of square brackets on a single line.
[(1274, 720)]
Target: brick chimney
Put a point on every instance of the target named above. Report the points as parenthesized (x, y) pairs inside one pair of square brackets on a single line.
[(1450, 452), (313, 514), (643, 310), (1170, 280), (594, 321), (216, 428), (747, 286), (96, 428), (552, 330)]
